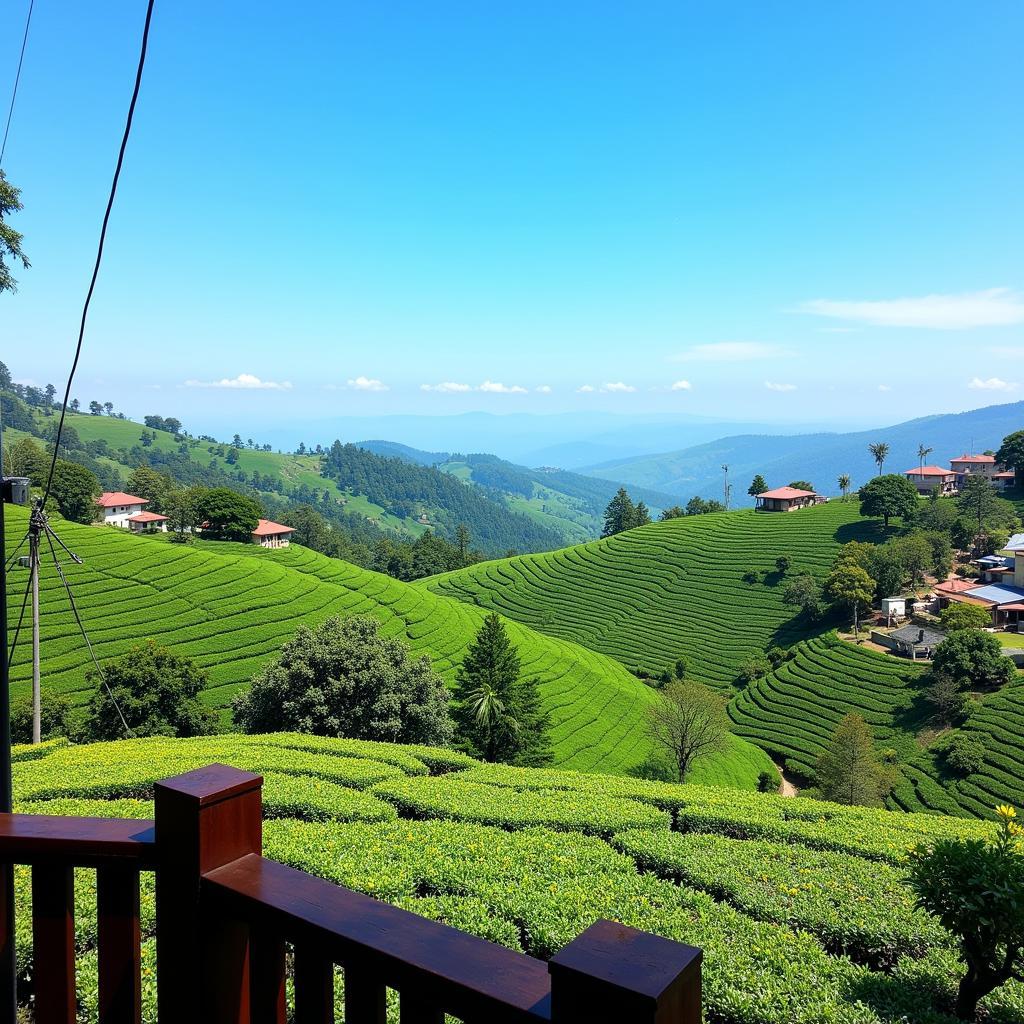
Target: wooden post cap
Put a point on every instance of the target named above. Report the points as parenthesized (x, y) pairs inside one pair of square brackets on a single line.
[(211, 784), (612, 971)]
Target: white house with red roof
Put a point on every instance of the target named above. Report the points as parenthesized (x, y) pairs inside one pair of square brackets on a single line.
[(147, 522), (117, 507), (787, 499), (975, 465), (272, 535), (927, 478)]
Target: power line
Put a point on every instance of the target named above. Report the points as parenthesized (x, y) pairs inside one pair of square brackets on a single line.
[(17, 79), (99, 249)]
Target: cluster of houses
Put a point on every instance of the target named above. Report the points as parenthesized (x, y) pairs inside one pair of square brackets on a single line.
[(949, 481), (128, 511), (999, 589)]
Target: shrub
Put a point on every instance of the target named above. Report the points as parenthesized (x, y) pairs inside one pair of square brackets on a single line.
[(344, 678), (975, 887), (754, 668), (964, 616), (148, 692), (768, 782), (54, 719), (965, 754)]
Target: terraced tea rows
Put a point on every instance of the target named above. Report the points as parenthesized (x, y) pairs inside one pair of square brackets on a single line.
[(232, 606), (801, 907), (647, 596), (794, 710)]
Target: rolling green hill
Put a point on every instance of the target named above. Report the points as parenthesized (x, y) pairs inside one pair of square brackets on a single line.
[(801, 907), (647, 596), (231, 606)]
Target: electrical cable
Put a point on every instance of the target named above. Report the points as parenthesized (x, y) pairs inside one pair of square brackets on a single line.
[(17, 79), (99, 249), (50, 537)]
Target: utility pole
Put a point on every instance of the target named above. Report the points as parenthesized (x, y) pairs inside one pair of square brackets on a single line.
[(725, 469), (33, 554)]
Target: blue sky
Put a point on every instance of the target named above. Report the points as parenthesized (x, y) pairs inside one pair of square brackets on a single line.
[(781, 211)]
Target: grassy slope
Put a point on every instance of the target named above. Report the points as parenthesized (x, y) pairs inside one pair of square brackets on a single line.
[(231, 606), (650, 595), (800, 907)]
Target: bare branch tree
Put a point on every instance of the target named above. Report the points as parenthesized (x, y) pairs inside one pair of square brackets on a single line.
[(689, 722)]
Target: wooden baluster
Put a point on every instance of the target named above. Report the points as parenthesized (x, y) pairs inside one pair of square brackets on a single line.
[(615, 973), (119, 937), (314, 988), (415, 1012), (8, 971), (266, 978), (204, 819), (53, 943), (365, 998)]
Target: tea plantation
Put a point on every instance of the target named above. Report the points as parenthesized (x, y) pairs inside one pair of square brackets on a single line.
[(801, 907), (647, 596), (231, 606)]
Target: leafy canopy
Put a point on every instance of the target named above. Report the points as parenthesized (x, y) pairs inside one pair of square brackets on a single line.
[(974, 659), (849, 771), (888, 497), (344, 678), (156, 691)]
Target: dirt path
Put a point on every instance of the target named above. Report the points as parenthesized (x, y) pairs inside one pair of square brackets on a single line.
[(787, 788)]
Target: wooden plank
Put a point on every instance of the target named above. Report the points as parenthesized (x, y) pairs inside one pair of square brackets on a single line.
[(471, 978), (266, 978), (415, 1011), (82, 842), (53, 943), (314, 987), (365, 997), (119, 940)]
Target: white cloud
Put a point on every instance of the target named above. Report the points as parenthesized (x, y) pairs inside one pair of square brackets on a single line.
[(585, 389), (994, 307), (617, 388), (992, 384), (773, 386), (544, 389), (366, 384), (884, 387), (497, 388), (681, 385), (447, 387), (733, 352), (244, 381)]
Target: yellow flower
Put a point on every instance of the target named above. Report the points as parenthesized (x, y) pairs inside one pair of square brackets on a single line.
[(1006, 811)]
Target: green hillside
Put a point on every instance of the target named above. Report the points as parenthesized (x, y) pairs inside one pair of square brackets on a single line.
[(231, 606), (647, 596), (800, 907)]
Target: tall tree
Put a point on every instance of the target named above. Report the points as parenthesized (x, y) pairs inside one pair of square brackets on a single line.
[(889, 496), (922, 453), (10, 240), (641, 515), (619, 515), (977, 499), (849, 771), (850, 585), (147, 483), (462, 540), (228, 515), (498, 715), (690, 721), (1011, 452), (74, 491), (757, 486), (844, 484), (879, 452)]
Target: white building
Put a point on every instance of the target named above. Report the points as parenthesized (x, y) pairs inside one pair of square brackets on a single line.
[(269, 534), (118, 507)]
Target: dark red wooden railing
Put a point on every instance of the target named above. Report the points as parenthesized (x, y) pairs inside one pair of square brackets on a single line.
[(225, 915)]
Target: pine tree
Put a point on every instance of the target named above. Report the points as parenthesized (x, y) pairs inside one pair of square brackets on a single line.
[(641, 515), (849, 771), (757, 486), (497, 715), (619, 515)]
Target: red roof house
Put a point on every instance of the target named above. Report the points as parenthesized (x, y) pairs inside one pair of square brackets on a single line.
[(787, 499), (119, 507), (269, 534), (147, 522), (927, 478)]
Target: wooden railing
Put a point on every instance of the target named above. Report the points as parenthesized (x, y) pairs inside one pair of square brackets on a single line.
[(226, 914)]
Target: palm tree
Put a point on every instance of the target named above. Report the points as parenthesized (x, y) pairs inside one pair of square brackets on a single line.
[(844, 484), (879, 452), (490, 713), (922, 454)]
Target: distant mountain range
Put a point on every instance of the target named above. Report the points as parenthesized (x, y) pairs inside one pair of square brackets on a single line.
[(819, 458)]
